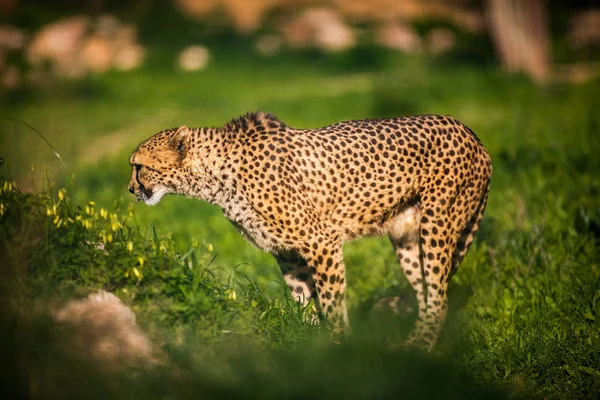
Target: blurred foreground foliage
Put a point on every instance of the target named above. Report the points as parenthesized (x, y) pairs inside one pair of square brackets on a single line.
[(217, 335)]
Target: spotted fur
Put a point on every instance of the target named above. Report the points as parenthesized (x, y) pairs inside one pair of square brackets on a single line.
[(300, 194)]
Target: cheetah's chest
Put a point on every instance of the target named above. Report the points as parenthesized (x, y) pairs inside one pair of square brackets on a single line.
[(252, 228)]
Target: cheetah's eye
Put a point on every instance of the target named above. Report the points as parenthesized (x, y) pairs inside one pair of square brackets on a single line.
[(137, 167)]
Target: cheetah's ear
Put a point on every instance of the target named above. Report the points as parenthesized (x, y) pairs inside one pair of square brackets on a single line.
[(180, 139)]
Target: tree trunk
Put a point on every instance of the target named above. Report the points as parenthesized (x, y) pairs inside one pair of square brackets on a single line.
[(519, 30)]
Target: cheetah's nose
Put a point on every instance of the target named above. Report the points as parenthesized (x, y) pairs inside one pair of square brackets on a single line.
[(131, 189)]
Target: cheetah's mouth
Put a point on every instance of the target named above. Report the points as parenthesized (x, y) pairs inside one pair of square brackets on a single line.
[(143, 194), (150, 197)]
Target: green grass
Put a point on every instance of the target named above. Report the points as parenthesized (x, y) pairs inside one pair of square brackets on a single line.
[(524, 307)]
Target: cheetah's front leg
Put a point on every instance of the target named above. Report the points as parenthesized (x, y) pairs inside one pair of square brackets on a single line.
[(298, 277), (325, 263)]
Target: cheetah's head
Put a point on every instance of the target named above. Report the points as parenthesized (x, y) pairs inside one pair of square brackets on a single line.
[(157, 166)]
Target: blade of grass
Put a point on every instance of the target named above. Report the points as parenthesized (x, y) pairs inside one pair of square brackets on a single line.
[(40, 135)]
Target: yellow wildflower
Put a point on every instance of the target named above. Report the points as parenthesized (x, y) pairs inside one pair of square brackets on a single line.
[(9, 187), (137, 273), (106, 238)]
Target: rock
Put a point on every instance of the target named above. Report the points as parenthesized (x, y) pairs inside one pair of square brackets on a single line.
[(297, 33), (97, 54), (400, 37), (59, 44), (101, 328), (440, 40), (194, 58), (455, 12), (78, 45), (128, 54), (319, 27), (247, 16), (196, 9), (130, 57)]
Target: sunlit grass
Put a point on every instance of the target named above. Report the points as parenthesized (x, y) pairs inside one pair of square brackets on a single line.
[(524, 306)]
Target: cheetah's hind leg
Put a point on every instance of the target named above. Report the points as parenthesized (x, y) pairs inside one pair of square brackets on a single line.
[(409, 255), (446, 232), (469, 231)]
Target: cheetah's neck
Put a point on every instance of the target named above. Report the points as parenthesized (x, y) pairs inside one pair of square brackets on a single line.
[(204, 165)]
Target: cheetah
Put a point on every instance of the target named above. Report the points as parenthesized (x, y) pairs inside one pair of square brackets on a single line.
[(300, 194)]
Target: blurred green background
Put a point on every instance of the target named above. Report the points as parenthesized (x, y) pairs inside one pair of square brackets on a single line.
[(522, 75)]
